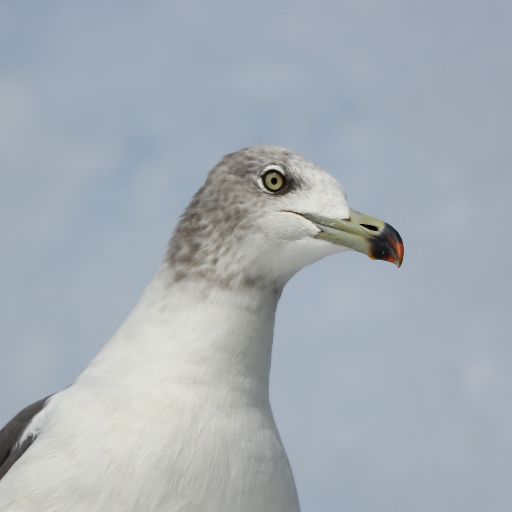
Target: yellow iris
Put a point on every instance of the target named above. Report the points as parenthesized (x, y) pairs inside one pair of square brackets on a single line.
[(274, 181)]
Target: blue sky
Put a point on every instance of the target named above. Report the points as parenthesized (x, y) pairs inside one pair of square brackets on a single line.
[(392, 388)]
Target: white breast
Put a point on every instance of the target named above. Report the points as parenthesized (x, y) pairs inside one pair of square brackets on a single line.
[(173, 415)]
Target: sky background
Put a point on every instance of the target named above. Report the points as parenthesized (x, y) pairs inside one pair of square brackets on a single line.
[(392, 388)]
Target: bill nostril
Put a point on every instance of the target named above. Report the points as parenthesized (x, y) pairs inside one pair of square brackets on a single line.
[(370, 227)]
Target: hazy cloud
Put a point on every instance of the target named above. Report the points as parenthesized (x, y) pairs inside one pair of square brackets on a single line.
[(392, 389)]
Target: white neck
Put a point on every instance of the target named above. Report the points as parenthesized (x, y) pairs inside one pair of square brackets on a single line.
[(177, 403), (195, 335)]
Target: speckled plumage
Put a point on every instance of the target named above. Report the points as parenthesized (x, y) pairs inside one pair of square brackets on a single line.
[(207, 243)]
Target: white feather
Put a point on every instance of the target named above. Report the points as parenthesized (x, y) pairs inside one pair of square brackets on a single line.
[(174, 414)]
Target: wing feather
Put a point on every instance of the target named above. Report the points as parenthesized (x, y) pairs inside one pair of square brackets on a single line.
[(10, 448)]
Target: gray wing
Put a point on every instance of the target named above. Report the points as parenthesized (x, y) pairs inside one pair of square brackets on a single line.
[(10, 450)]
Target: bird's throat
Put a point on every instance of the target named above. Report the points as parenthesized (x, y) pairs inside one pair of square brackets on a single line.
[(215, 341)]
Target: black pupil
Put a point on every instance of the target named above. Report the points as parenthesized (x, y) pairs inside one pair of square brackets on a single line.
[(273, 180)]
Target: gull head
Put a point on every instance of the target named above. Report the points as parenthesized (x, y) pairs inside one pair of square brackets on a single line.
[(263, 214)]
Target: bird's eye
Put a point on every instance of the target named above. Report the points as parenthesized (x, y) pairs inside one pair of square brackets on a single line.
[(274, 181)]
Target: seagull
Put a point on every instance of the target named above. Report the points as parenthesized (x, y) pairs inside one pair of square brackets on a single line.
[(173, 414)]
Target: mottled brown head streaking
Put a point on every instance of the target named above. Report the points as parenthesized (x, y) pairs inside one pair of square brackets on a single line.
[(223, 236)]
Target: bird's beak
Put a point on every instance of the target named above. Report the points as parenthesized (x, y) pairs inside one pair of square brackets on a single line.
[(363, 234)]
